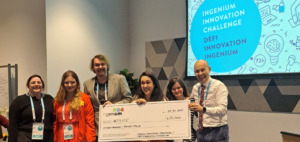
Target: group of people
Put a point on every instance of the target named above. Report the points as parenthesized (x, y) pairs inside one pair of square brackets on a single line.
[(73, 116)]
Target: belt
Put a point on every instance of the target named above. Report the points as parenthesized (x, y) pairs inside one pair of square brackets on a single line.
[(212, 128)]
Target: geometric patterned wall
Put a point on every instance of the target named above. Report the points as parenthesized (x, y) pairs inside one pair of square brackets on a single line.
[(167, 58)]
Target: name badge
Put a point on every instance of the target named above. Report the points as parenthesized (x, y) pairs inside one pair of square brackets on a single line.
[(68, 131), (37, 131)]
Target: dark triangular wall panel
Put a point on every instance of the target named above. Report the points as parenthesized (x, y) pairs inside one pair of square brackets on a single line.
[(162, 75), (245, 83), (171, 56), (278, 102), (230, 103), (179, 42)]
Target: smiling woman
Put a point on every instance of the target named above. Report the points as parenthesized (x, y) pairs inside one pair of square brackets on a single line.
[(176, 90), (31, 114), (149, 89), (73, 110)]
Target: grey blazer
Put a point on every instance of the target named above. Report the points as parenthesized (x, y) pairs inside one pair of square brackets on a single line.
[(118, 92)]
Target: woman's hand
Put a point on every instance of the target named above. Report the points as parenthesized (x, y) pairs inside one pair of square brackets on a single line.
[(141, 101)]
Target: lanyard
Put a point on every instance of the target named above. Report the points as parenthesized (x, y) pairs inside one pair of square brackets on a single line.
[(105, 91), (33, 110), (63, 111), (205, 93)]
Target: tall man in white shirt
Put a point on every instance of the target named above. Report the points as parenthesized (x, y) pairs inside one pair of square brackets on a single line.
[(211, 104)]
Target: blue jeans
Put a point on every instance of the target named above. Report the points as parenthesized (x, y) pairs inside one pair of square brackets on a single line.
[(214, 134)]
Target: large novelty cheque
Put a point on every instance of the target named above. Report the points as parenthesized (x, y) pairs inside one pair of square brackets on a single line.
[(150, 121)]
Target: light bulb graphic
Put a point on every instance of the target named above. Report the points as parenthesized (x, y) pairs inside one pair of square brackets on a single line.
[(273, 46)]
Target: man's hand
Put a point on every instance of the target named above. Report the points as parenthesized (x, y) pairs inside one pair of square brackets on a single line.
[(195, 107), (107, 103)]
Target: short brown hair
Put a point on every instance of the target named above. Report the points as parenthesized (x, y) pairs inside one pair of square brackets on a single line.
[(102, 58)]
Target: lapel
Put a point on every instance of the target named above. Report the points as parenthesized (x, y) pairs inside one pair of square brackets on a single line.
[(92, 87), (110, 87)]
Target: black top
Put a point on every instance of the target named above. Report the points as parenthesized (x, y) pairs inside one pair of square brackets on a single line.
[(20, 115)]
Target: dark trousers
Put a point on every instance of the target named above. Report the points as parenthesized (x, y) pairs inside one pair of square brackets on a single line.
[(24, 136), (213, 134)]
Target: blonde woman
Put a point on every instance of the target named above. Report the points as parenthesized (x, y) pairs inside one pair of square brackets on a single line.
[(73, 111)]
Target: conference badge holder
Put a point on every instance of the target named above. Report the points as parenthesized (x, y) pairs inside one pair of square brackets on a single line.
[(68, 131), (37, 131)]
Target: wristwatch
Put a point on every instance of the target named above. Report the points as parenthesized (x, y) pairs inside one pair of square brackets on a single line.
[(204, 110)]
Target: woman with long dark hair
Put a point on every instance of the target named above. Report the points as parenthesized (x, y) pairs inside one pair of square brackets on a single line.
[(148, 89), (176, 90)]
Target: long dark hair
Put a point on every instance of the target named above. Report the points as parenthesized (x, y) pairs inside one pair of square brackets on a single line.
[(157, 94), (169, 93)]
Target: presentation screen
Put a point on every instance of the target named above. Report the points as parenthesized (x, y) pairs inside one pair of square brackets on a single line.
[(242, 37)]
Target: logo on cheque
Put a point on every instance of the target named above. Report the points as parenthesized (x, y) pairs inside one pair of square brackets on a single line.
[(117, 110)]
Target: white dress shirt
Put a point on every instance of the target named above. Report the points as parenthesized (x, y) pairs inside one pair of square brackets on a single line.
[(215, 103)]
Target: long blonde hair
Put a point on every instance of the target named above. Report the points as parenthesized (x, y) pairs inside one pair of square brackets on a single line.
[(61, 94)]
